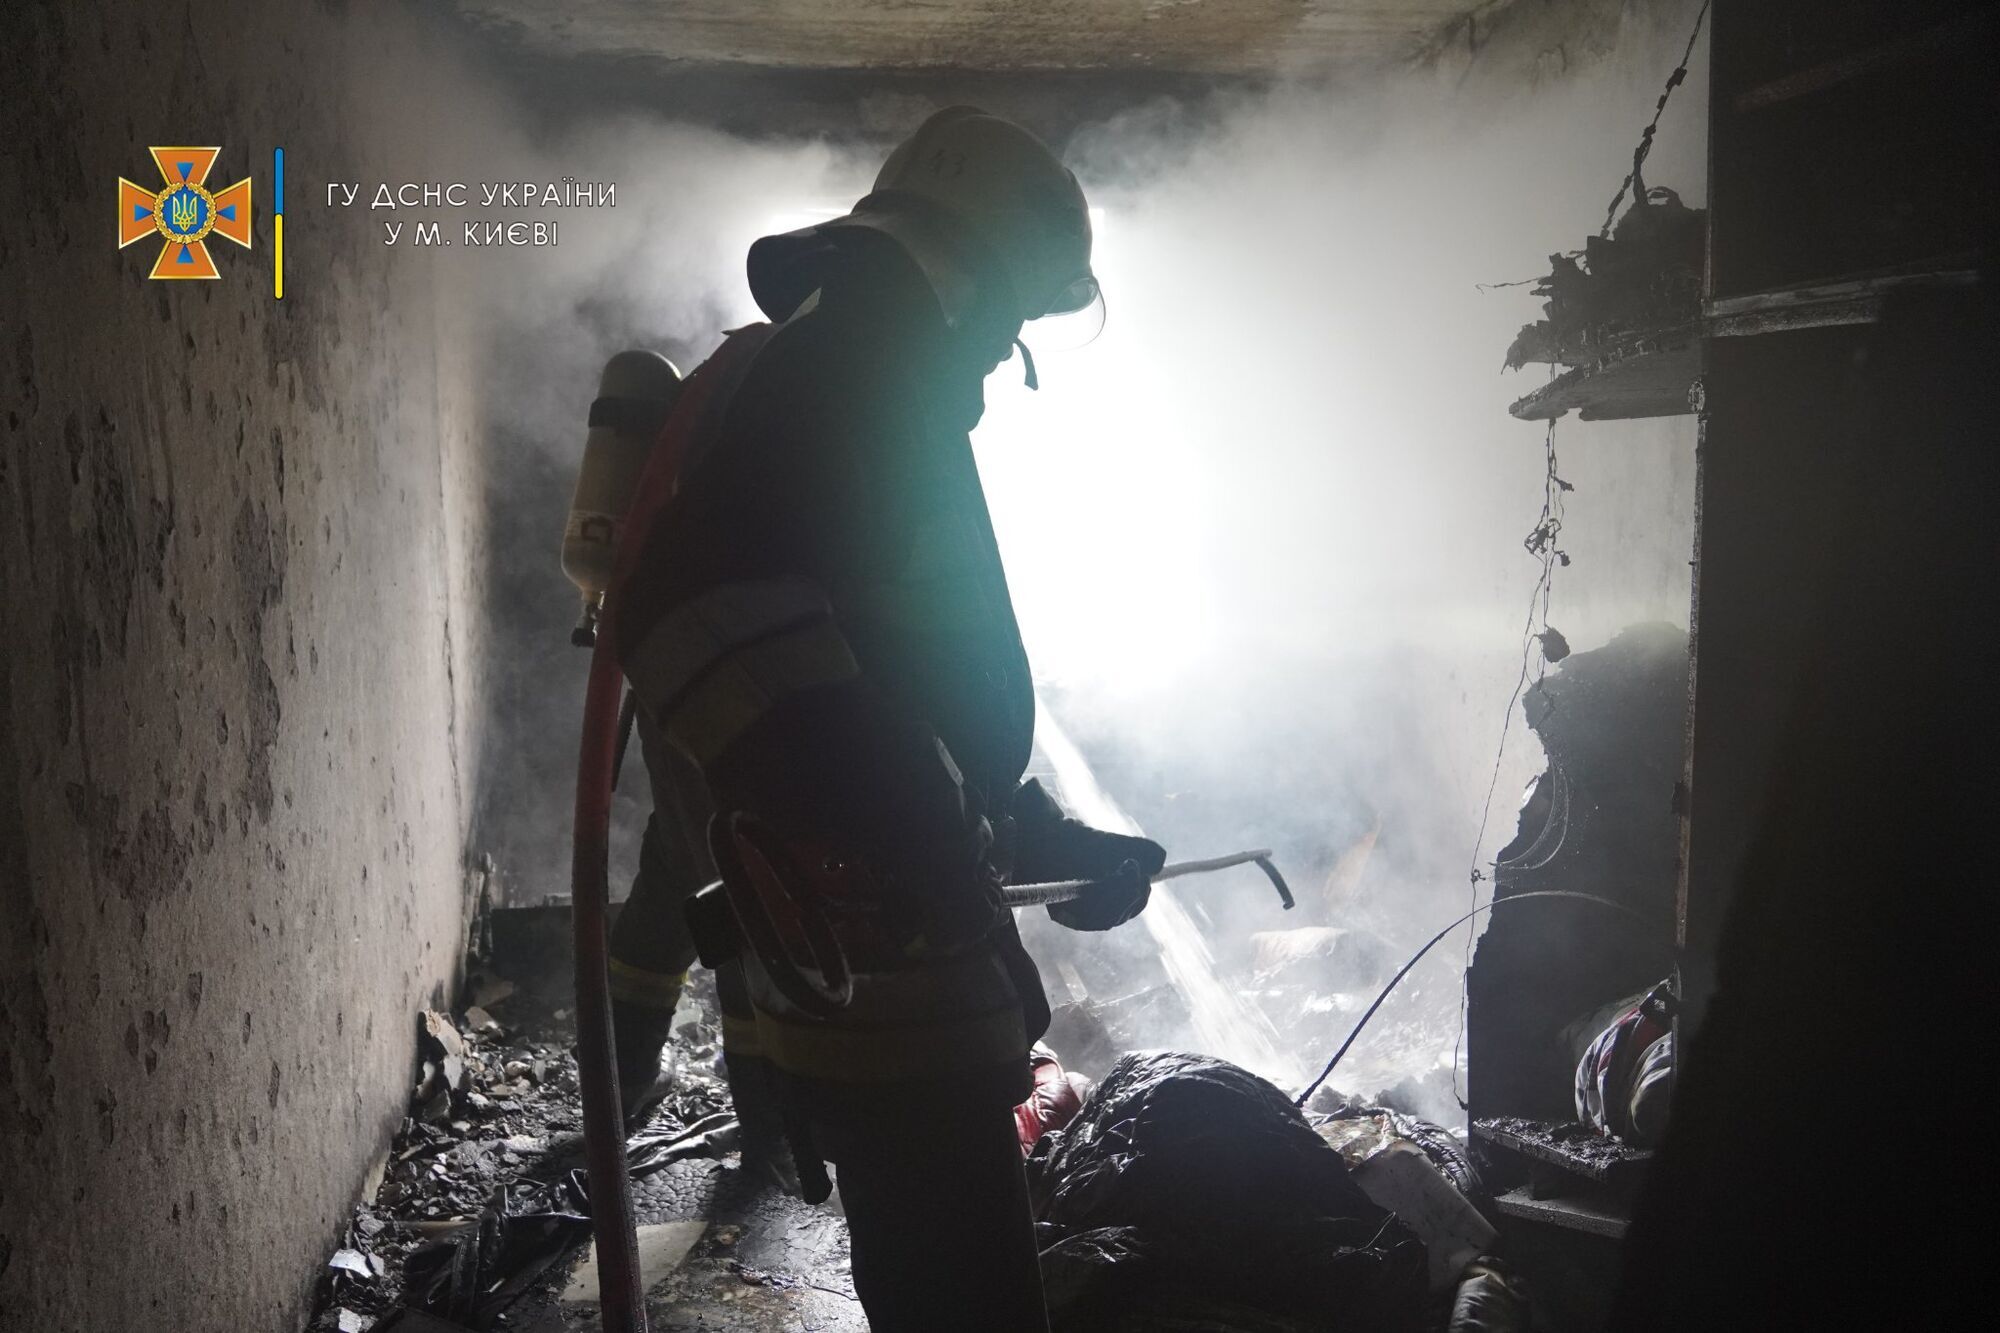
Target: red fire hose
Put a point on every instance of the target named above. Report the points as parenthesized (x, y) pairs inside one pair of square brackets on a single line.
[(620, 1291)]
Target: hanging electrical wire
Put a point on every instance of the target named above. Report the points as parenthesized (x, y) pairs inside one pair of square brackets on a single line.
[(1541, 542), (1539, 647), (1416, 957), (1635, 180)]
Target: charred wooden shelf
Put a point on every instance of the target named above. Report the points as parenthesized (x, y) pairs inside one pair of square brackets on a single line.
[(1655, 376), (1571, 1149), (1855, 300), (1598, 1217), (1646, 377)]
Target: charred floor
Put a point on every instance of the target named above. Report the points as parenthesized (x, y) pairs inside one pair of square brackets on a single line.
[(1194, 667)]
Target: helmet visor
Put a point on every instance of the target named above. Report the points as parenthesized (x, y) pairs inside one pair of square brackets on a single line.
[(1078, 295)]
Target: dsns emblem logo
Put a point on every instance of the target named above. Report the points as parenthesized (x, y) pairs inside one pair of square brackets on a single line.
[(184, 213)]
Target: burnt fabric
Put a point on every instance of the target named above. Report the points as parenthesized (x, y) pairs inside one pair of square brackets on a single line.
[(1609, 1076), (1057, 1097), (1187, 1184)]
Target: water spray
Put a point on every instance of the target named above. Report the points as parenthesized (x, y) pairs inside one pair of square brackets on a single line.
[(1226, 1020)]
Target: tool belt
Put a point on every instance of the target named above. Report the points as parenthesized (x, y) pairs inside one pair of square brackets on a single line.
[(808, 914), (838, 993)]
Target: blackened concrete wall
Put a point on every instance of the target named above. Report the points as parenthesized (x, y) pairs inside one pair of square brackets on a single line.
[(238, 539)]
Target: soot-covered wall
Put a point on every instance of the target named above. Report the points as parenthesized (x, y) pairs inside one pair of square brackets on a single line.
[(238, 541)]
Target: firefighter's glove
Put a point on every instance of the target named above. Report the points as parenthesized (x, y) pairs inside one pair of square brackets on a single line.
[(947, 889), (1048, 845)]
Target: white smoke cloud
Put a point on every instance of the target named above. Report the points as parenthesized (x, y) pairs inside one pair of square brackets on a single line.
[(1264, 531)]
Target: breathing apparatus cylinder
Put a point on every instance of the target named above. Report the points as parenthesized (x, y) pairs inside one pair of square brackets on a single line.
[(634, 395)]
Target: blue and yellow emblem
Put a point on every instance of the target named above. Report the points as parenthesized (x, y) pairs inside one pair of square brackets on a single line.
[(183, 213)]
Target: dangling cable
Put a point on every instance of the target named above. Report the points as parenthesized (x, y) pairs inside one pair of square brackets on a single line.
[(1541, 544), (1416, 957), (1645, 146)]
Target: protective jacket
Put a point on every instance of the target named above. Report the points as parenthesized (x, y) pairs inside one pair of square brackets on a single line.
[(819, 606)]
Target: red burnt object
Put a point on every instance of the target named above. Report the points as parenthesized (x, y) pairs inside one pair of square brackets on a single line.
[(1057, 1098)]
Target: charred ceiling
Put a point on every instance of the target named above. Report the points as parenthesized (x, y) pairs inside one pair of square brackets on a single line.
[(866, 68), (1216, 37)]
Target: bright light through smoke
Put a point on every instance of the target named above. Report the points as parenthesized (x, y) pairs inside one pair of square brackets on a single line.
[(1099, 491), (1263, 527), (1264, 530)]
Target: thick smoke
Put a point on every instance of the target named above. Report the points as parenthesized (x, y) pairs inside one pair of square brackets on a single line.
[(1264, 530)]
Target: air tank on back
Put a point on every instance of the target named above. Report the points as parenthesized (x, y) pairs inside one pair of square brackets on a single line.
[(634, 395)]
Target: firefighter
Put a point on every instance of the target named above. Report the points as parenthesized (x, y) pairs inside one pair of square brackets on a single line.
[(651, 952), (818, 622)]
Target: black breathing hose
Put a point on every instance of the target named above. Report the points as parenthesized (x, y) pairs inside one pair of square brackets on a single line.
[(1416, 957)]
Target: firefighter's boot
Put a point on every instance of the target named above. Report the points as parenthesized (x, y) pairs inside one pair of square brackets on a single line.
[(639, 1038), (754, 1089)]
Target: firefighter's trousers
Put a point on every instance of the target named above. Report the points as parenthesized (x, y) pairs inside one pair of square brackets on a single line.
[(651, 946), (936, 1200), (928, 1167)]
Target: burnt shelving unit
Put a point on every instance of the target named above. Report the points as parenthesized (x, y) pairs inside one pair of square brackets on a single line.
[(1849, 163), (1851, 186)]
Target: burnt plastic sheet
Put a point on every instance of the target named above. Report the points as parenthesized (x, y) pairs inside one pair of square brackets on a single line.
[(1190, 1189), (473, 1276)]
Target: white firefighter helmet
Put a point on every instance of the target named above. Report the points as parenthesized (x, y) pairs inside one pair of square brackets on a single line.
[(976, 202)]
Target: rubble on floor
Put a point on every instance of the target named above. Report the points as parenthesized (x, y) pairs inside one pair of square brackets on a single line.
[(480, 1206), (1183, 1190), (1191, 1190), (1423, 1175)]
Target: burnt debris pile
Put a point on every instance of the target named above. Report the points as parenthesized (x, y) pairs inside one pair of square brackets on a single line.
[(481, 1204), (1189, 1186)]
